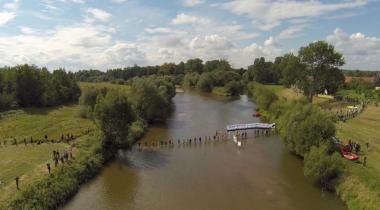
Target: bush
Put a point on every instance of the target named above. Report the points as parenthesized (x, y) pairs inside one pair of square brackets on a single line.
[(323, 167), (262, 96), (304, 126)]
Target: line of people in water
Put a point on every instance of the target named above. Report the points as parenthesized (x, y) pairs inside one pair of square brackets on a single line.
[(198, 140)]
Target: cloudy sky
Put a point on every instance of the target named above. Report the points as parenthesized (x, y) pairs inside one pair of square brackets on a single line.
[(77, 34)]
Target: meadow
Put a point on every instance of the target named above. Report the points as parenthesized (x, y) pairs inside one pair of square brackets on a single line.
[(29, 161)]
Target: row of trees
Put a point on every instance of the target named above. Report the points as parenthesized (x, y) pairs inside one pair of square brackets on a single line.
[(122, 115), (314, 70), (190, 66), (28, 85)]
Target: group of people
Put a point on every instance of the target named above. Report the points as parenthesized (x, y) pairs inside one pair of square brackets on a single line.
[(64, 138), (57, 157), (187, 141), (349, 114), (354, 147)]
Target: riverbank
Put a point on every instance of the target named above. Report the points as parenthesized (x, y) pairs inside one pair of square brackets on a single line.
[(28, 159), (358, 186)]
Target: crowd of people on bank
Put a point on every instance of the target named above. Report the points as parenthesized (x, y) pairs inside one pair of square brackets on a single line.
[(57, 157)]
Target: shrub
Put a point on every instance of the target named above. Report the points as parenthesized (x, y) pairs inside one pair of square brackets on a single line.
[(322, 166)]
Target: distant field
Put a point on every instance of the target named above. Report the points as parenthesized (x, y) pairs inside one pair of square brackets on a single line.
[(29, 162), (84, 85)]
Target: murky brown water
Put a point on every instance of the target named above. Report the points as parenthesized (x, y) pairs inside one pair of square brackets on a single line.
[(212, 176)]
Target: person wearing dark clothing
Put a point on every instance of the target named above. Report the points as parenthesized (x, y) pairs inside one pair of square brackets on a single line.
[(48, 167), (17, 179), (365, 161), (25, 141)]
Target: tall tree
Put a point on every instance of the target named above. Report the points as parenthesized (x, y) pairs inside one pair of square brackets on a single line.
[(194, 65), (114, 114), (321, 61)]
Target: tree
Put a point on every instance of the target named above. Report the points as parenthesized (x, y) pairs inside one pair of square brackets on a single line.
[(114, 114), (321, 61), (292, 70), (194, 66), (304, 126), (29, 87), (148, 102), (206, 82), (377, 79), (261, 71), (322, 166)]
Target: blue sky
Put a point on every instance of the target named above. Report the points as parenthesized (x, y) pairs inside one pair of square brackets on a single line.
[(78, 34)]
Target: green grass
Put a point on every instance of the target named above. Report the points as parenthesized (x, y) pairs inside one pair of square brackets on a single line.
[(361, 187), (220, 91), (29, 162), (84, 85)]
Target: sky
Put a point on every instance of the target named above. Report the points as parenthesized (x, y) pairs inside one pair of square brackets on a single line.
[(100, 34)]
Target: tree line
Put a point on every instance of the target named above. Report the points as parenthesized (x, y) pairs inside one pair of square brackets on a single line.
[(31, 86)]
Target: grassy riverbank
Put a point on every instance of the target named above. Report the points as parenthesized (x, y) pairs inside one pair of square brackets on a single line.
[(358, 186), (29, 161), (360, 189)]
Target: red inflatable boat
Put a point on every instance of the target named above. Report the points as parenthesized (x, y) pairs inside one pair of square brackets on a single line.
[(348, 154)]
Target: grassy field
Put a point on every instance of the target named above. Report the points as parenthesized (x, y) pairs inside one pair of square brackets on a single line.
[(84, 85), (361, 187), (29, 162)]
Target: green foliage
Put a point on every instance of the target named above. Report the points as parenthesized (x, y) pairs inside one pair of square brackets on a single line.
[(194, 66), (263, 96), (263, 72), (321, 62), (114, 114), (206, 82), (322, 166), (304, 126), (27, 86), (151, 97), (191, 79)]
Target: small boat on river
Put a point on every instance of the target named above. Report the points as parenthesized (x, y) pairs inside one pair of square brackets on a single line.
[(257, 114)]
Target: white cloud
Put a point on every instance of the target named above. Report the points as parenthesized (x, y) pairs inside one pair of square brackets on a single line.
[(267, 14), (72, 47), (5, 17), (12, 5), (192, 3), (97, 14), (119, 1), (292, 31), (188, 19), (27, 30), (153, 30), (74, 1), (361, 51)]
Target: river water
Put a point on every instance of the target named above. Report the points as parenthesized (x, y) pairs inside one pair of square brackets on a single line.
[(213, 175)]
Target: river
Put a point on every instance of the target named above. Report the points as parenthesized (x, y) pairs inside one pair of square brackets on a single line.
[(213, 176)]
